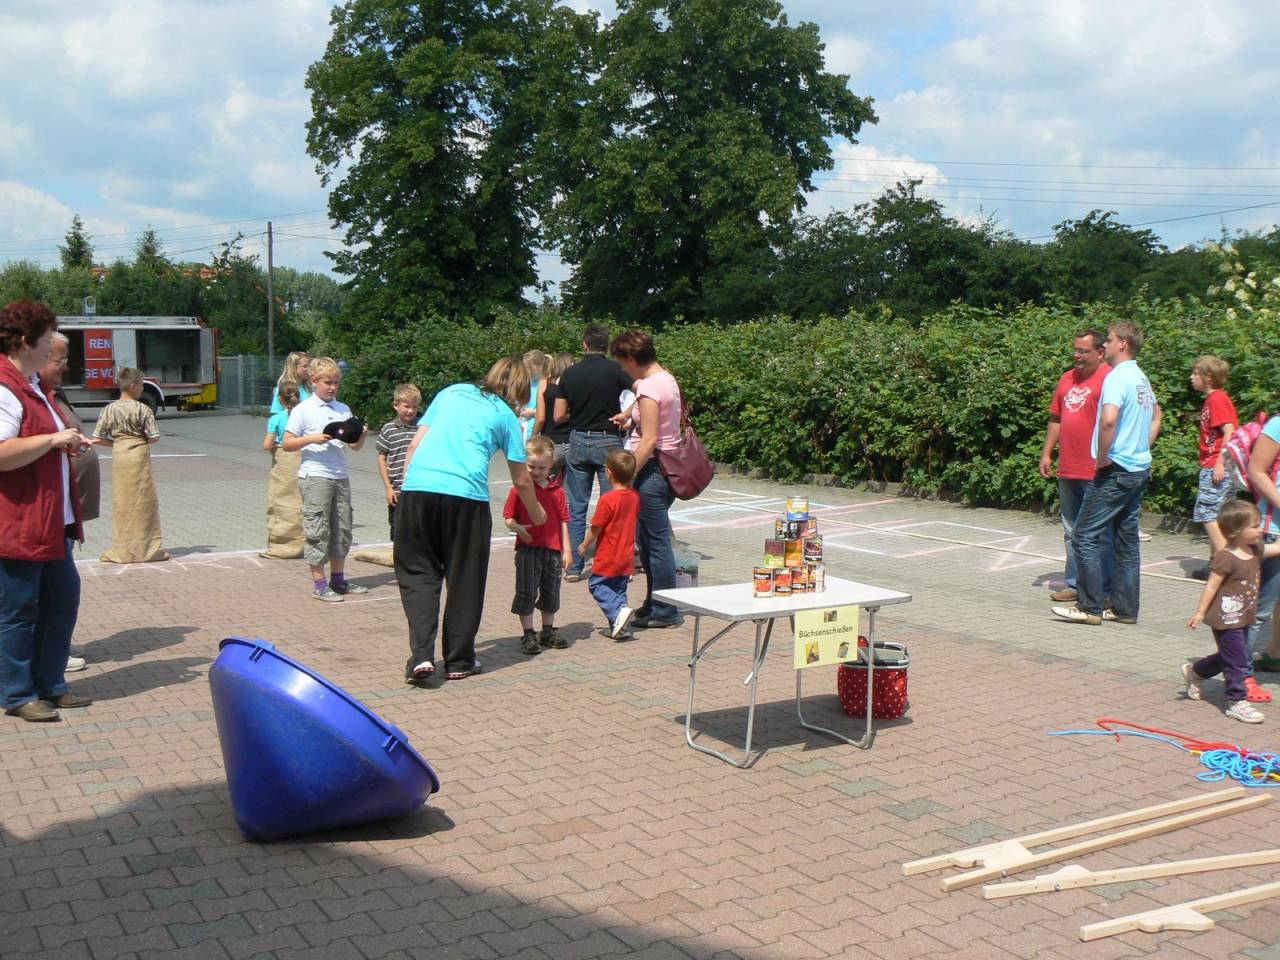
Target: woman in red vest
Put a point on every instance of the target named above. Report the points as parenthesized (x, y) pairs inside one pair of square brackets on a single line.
[(39, 518)]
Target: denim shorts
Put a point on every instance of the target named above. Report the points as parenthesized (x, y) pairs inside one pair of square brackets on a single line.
[(1211, 496)]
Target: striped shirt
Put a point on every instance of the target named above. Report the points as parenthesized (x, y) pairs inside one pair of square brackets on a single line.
[(393, 443)]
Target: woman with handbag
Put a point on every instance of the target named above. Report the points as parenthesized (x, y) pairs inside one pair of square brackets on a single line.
[(658, 428)]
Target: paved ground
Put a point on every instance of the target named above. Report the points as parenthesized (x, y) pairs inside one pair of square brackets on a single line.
[(573, 820)]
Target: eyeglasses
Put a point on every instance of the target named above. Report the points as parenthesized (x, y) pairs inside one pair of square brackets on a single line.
[(64, 362)]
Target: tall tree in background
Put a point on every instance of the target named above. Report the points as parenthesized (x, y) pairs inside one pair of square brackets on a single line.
[(426, 116), (703, 130), (78, 251), (148, 252), (1099, 258)]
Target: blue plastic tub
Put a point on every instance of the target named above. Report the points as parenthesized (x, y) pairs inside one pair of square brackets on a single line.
[(301, 753)]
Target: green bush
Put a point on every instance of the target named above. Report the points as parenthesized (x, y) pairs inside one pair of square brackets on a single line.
[(954, 405)]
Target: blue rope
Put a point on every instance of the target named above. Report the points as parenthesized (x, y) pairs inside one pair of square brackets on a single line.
[(1250, 770)]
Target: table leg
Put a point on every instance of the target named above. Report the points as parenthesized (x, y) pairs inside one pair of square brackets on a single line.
[(865, 740), (761, 649)]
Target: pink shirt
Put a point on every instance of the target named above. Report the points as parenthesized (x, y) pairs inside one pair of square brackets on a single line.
[(662, 388)]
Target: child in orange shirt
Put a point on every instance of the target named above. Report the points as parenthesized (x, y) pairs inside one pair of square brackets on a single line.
[(614, 525)]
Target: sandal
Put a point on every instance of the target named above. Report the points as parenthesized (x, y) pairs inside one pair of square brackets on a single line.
[(423, 671), (1254, 693), (463, 674)]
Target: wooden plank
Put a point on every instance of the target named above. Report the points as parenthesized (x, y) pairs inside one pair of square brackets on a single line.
[(976, 856), (1073, 876), (1180, 916), (1108, 840)]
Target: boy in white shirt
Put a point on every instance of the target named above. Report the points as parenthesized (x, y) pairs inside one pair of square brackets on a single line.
[(319, 426)]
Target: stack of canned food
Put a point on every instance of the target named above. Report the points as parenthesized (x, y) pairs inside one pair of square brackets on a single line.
[(793, 555)]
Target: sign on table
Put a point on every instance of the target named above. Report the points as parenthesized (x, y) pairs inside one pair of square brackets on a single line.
[(826, 636)]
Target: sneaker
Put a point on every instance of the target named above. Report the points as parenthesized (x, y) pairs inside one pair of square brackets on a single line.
[(328, 595), (549, 637), (35, 711), (1193, 681), (529, 643), (1065, 595), (75, 665), (420, 671), (1245, 712), (463, 674), (1255, 693), (620, 622), (1143, 536), (653, 623), (1076, 615), (571, 576), (346, 587), (1112, 617), (1266, 664)]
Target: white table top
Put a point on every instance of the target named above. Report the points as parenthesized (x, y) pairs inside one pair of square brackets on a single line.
[(734, 601)]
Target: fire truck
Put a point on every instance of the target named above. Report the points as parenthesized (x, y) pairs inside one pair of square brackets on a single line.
[(178, 357)]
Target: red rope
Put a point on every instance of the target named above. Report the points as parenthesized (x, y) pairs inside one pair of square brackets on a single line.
[(1191, 743)]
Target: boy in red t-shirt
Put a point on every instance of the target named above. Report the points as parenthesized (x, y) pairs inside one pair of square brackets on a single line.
[(542, 550), (1218, 420), (614, 525)]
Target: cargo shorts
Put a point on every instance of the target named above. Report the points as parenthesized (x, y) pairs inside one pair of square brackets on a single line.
[(326, 519)]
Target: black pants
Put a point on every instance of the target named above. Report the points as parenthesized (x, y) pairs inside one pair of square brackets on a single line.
[(440, 539)]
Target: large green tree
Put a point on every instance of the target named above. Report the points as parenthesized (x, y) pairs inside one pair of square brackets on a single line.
[(698, 138), (424, 120), (78, 249)]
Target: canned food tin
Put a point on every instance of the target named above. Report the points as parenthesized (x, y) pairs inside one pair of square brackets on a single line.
[(782, 583), (817, 578), (775, 553), (800, 579), (811, 527), (813, 550), (797, 507), (793, 553), (794, 529), (762, 579), (780, 528)]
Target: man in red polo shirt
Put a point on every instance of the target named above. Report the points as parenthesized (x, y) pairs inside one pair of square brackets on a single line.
[(1073, 414)]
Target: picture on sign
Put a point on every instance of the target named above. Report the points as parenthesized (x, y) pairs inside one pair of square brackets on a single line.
[(826, 637)]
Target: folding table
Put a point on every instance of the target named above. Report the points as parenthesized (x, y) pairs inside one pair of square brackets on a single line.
[(736, 603)]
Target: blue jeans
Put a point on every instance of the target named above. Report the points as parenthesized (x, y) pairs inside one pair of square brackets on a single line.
[(1268, 596), (610, 593), (583, 464), (1112, 504), (1070, 498), (654, 539), (39, 601)]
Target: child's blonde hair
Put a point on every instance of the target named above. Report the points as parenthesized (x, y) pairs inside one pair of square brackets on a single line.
[(288, 393), (1213, 369), (324, 367), (127, 377), (1235, 517), (292, 364), (622, 464), (407, 393), (540, 446), (537, 360)]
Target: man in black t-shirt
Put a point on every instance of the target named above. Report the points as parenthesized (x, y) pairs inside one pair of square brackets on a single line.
[(588, 400)]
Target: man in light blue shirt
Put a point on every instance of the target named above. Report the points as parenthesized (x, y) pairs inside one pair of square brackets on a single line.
[(1128, 423)]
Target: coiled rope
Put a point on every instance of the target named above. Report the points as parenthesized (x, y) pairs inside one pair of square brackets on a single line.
[(1223, 760)]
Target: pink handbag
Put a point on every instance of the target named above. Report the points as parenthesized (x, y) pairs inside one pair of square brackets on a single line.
[(687, 467)]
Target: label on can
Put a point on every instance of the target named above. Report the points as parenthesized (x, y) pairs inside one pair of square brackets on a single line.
[(800, 579), (774, 553), (813, 549), (782, 583), (793, 552), (818, 577), (780, 528), (762, 579), (797, 507), (811, 527)]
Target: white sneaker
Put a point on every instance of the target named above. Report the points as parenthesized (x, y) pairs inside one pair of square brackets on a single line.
[(1144, 537), (75, 665), (1076, 615), (621, 622), (1193, 681), (1245, 712)]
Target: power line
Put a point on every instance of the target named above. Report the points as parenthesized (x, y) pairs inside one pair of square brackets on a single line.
[(1061, 166), (190, 226), (1194, 216)]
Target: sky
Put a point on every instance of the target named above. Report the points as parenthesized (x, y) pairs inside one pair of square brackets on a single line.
[(188, 116)]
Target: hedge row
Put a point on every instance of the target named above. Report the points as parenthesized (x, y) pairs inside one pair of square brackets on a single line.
[(955, 405)]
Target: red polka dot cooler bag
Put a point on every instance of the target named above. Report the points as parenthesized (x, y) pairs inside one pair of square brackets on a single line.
[(889, 682)]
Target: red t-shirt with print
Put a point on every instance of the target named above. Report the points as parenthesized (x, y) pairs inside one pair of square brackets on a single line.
[(1075, 404), (551, 498), (1217, 412), (616, 516)]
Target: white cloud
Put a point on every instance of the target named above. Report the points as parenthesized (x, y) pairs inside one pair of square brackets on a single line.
[(852, 55)]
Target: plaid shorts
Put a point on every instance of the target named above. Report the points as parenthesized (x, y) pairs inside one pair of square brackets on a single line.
[(1211, 496), (538, 572)]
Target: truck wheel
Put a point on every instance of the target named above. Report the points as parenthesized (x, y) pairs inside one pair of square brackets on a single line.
[(148, 399)]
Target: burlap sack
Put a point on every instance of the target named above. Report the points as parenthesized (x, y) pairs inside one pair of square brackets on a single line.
[(135, 510), (284, 507)]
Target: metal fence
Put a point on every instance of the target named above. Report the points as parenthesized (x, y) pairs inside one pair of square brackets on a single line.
[(245, 382)]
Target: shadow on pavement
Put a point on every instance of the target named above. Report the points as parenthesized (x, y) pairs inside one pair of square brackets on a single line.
[(106, 684), (124, 645)]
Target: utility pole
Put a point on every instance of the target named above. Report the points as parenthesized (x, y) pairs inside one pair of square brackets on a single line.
[(271, 309)]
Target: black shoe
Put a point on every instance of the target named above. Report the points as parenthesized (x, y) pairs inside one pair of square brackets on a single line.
[(529, 643), (653, 623)]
